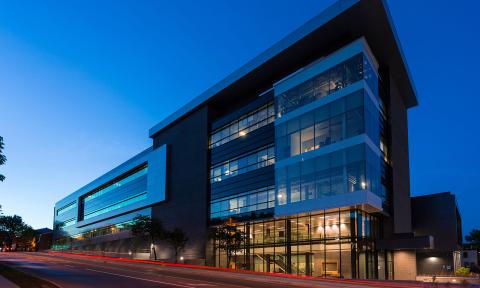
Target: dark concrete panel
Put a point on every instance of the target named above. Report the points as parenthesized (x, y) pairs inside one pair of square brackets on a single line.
[(437, 215), (187, 200), (434, 263), (401, 210)]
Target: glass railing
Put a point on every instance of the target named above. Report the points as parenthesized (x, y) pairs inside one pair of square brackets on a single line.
[(244, 125)]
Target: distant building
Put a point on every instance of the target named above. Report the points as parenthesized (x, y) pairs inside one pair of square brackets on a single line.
[(304, 147), (43, 239), (470, 259)]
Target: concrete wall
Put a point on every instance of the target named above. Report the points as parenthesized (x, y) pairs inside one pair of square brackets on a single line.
[(400, 164), (187, 197), (434, 263), (437, 215), (404, 265)]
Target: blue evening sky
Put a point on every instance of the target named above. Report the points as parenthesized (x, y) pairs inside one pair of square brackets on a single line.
[(81, 82)]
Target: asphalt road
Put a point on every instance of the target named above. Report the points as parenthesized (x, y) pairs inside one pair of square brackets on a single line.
[(74, 271)]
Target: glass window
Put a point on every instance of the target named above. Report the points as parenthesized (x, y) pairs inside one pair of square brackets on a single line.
[(337, 107), (250, 201), (322, 113), (280, 231), (345, 224), (295, 189), (308, 187), (321, 85), (323, 183), (322, 134), (67, 208), (307, 139), (293, 126), (303, 228), (322, 163), (243, 164), (337, 183), (354, 123), (119, 204), (334, 79), (355, 100), (353, 69), (307, 120), (115, 185), (332, 123), (242, 126), (317, 230), (282, 194), (281, 130), (295, 143)]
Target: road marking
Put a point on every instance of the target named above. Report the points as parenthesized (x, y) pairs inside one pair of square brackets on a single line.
[(69, 266), (138, 278)]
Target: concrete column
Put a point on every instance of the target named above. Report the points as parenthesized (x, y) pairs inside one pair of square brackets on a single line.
[(404, 265)]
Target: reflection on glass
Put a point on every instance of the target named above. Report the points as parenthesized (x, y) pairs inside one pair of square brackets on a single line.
[(331, 123), (258, 199), (242, 126), (344, 171), (244, 163), (328, 82), (320, 244)]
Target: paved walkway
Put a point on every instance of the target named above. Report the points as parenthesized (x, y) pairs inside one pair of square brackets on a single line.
[(5, 283)]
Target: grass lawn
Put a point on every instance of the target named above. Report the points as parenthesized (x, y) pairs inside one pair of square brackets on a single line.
[(22, 279)]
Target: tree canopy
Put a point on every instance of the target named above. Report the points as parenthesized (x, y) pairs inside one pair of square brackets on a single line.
[(229, 239), (473, 239), (3, 158), (15, 231), (146, 228), (177, 239)]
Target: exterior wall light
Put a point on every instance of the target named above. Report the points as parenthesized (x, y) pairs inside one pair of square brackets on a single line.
[(364, 185)]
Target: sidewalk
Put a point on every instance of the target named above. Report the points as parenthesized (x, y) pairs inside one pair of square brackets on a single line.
[(5, 283)]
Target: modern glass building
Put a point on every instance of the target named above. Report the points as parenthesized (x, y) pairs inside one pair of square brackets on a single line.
[(304, 149)]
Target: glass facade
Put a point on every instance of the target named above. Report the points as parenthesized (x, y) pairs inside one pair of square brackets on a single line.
[(122, 192), (116, 184), (348, 170), (335, 243), (66, 242), (66, 223), (244, 125), (259, 158), (342, 75), (67, 208), (258, 199), (344, 118), (119, 204)]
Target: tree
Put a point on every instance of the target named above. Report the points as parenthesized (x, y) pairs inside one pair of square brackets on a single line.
[(473, 239), (16, 231), (229, 239), (148, 229), (12, 225), (177, 239), (3, 159), (25, 238)]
